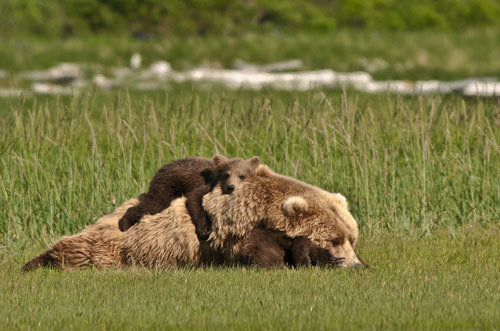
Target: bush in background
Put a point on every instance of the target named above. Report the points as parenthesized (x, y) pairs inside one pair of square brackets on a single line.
[(199, 17)]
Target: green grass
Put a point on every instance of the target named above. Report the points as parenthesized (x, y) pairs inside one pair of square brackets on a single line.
[(444, 281), (405, 164), (420, 173)]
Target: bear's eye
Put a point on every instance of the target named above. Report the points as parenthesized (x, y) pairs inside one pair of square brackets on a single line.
[(225, 176), (242, 177), (336, 242)]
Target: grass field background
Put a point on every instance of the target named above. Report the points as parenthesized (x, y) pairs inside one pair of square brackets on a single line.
[(420, 173)]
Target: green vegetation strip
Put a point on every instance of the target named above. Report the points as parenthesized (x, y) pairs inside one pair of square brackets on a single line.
[(222, 17), (441, 55)]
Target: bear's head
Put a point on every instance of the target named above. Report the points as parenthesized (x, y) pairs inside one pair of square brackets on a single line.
[(270, 200), (325, 219), (231, 172)]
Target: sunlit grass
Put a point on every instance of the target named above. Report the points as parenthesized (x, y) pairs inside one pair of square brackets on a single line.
[(445, 281)]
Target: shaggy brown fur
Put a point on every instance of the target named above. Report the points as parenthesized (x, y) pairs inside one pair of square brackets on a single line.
[(193, 178), (97, 245), (168, 239)]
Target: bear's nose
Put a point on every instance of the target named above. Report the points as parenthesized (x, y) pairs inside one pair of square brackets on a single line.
[(230, 188)]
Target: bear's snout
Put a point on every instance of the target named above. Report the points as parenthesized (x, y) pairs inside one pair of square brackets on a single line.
[(346, 256), (353, 262), (228, 189)]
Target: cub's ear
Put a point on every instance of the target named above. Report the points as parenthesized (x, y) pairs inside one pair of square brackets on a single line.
[(210, 176), (255, 161), (219, 159), (294, 206)]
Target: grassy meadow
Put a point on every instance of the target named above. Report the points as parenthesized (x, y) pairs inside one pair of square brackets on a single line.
[(421, 175), (447, 281)]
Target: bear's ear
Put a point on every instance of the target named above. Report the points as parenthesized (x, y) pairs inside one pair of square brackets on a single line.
[(219, 159), (254, 162), (294, 206)]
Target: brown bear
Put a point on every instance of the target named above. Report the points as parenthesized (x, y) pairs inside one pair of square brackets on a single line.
[(168, 239), (193, 178), (270, 200)]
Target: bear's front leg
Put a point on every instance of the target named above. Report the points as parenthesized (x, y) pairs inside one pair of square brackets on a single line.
[(198, 215), (145, 206), (132, 216), (300, 251)]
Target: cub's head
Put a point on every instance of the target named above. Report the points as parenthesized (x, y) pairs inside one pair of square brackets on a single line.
[(231, 172), (325, 219)]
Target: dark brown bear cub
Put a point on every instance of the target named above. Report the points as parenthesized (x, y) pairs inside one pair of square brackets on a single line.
[(269, 248), (192, 178)]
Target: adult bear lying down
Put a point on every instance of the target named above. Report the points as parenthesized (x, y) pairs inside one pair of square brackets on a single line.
[(168, 239), (165, 240)]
